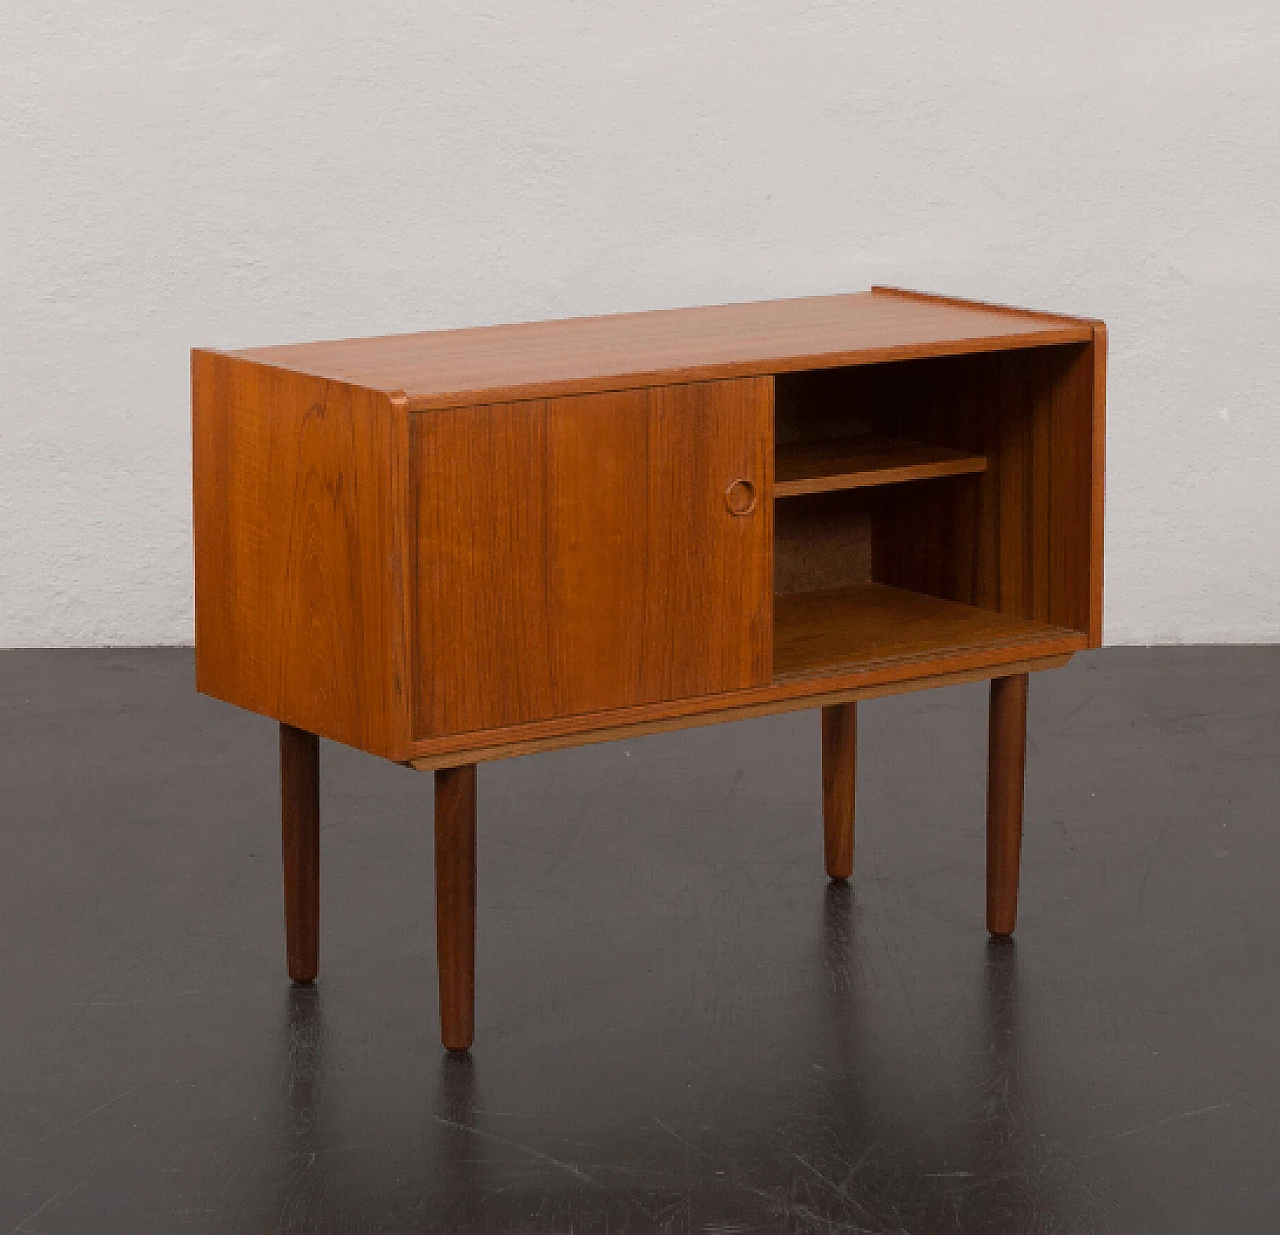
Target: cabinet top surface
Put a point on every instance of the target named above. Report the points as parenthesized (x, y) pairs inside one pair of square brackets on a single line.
[(450, 367)]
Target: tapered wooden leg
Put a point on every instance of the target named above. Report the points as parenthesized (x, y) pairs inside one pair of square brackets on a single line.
[(1006, 766), (300, 835), (456, 903), (839, 764)]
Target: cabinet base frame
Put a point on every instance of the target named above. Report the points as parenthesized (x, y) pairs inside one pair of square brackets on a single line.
[(485, 752)]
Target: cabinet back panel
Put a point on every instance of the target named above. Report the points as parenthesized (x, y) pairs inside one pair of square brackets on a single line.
[(826, 403), (577, 554), (825, 540)]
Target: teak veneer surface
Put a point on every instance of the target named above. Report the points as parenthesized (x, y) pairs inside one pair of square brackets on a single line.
[(299, 505), (341, 590), (818, 632), (863, 461), (577, 554), (492, 363), (823, 696), (896, 641)]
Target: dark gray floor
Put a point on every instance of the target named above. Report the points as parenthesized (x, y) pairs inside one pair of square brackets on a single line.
[(680, 1025)]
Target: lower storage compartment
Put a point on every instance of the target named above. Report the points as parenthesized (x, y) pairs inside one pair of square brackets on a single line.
[(839, 630), (902, 573)]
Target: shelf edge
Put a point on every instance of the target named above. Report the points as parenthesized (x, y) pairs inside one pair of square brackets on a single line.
[(967, 466)]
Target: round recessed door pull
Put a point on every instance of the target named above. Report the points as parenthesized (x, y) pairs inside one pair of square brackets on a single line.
[(740, 497)]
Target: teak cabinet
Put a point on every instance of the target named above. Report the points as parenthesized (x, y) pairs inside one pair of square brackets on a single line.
[(463, 545)]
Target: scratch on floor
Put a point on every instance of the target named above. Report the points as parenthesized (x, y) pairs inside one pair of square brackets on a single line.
[(528, 1149), (1159, 1123), (831, 1183), (109, 1102), (672, 1132), (794, 1209), (1155, 851), (95, 1166), (839, 1189)]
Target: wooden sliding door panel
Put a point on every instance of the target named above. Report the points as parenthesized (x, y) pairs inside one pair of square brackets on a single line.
[(595, 570), (483, 642), (709, 572), (579, 554)]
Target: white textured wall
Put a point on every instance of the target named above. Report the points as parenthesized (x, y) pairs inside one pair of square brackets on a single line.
[(245, 173)]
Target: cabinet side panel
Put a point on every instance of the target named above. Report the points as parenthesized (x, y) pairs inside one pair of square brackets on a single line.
[(299, 526)]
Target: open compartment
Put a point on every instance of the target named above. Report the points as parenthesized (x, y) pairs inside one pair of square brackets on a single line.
[(928, 507)]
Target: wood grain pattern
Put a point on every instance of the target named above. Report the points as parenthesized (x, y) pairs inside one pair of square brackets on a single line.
[(865, 676), (490, 364), (300, 845), (839, 778), (889, 675), (870, 623), (455, 830), (576, 555), (299, 502), (1014, 490), (1016, 537), (1005, 778), (864, 461), (966, 302), (820, 693), (1069, 488), (318, 604)]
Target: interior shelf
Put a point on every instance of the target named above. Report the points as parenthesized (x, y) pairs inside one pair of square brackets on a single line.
[(867, 459), (872, 623)]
